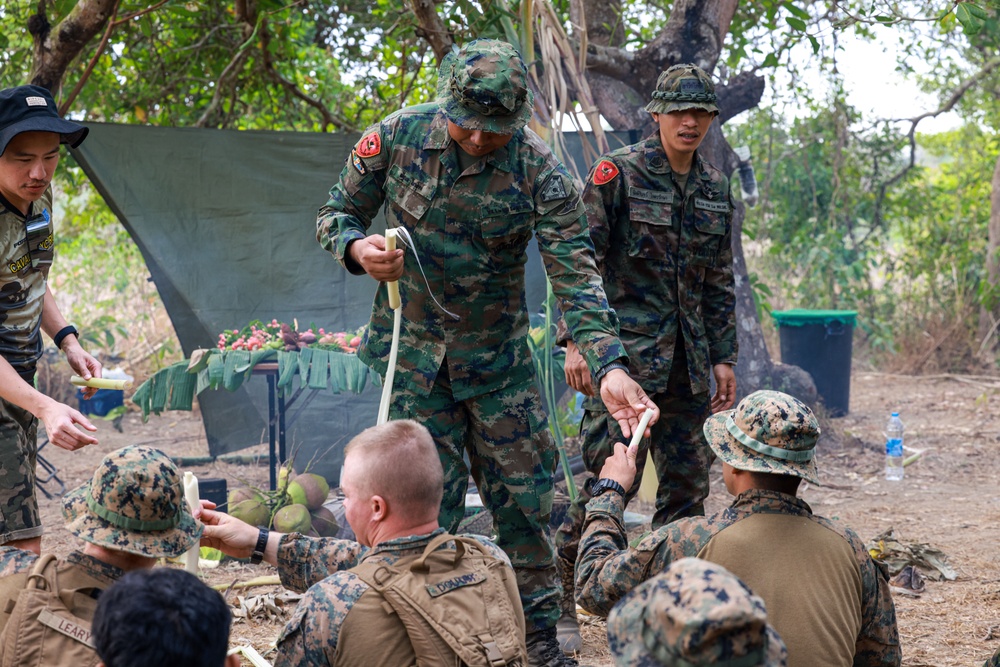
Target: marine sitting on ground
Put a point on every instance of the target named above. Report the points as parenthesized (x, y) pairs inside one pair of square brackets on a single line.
[(354, 610), (826, 597), (129, 515)]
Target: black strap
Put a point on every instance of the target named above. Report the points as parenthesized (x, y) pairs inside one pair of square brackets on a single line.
[(61, 336)]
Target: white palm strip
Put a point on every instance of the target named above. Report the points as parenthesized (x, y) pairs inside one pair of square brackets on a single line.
[(396, 304)]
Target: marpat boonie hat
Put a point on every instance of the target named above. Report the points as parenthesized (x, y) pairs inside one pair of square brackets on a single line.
[(768, 432), (694, 614), (135, 503)]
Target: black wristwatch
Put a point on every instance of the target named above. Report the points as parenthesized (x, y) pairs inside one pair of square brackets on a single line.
[(604, 484), (258, 551)]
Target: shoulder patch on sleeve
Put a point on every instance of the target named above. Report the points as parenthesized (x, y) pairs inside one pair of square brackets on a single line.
[(553, 189), (370, 145), (358, 164), (605, 172)]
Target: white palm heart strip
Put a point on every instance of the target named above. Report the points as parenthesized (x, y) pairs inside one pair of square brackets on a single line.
[(640, 429), (397, 306), (100, 383), (192, 497)]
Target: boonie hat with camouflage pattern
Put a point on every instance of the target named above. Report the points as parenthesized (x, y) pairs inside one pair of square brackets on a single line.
[(695, 613), (488, 88), (768, 432), (682, 87), (135, 503)]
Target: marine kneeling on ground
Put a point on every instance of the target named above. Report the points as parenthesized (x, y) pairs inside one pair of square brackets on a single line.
[(132, 513), (406, 592), (825, 596)]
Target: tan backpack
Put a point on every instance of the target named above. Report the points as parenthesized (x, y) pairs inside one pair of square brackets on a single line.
[(45, 616), (458, 607)]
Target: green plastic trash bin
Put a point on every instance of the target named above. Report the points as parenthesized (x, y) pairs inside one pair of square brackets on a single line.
[(819, 342)]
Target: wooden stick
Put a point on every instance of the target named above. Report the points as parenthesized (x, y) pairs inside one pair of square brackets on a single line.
[(270, 580)]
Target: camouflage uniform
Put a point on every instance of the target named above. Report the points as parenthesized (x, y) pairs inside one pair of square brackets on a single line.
[(470, 378), (665, 255), (22, 289), (320, 567), (694, 613), (994, 661), (765, 421), (23, 273)]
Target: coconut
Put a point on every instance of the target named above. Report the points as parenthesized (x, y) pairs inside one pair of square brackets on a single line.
[(237, 496), (309, 490), (324, 522), (252, 511), (293, 519)]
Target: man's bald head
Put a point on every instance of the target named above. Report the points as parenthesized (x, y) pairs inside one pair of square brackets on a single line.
[(399, 462)]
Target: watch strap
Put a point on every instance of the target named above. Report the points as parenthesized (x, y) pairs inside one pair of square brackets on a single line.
[(606, 484), (61, 335), (258, 551)]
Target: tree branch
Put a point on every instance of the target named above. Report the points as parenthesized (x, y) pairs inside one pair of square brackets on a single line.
[(911, 135), (55, 49), (329, 118), (432, 27), (68, 102)]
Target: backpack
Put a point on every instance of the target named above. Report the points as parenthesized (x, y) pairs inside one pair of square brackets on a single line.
[(458, 607), (45, 616)]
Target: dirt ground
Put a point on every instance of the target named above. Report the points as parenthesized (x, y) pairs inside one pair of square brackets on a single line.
[(949, 500)]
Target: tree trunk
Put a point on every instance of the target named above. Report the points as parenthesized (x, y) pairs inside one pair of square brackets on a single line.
[(57, 47), (989, 313)]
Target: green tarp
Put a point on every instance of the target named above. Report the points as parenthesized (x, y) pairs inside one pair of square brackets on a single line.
[(226, 223)]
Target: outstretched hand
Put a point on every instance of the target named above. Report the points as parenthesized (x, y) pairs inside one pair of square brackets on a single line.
[(226, 533), (626, 401), (620, 466)]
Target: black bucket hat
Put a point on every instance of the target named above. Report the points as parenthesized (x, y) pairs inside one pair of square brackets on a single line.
[(32, 109)]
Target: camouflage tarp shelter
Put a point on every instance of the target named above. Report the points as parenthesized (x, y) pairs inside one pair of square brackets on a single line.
[(226, 223)]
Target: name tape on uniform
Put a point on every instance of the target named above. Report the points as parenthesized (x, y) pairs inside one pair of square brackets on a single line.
[(707, 205)]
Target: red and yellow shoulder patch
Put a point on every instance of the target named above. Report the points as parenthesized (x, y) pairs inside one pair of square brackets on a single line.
[(370, 145), (605, 172)]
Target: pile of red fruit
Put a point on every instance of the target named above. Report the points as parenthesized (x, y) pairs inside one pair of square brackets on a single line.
[(276, 335)]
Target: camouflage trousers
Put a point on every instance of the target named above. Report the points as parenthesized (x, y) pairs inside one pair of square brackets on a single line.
[(19, 518), (512, 459), (680, 452)]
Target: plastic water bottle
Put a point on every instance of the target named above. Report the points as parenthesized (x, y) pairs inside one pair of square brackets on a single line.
[(894, 448)]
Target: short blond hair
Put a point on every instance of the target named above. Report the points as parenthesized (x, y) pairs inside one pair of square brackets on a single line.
[(399, 461)]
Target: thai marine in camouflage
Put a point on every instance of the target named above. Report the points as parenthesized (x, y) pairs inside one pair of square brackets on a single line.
[(471, 232), (22, 282), (463, 347), (664, 249), (135, 504), (319, 568), (694, 613), (666, 258)]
